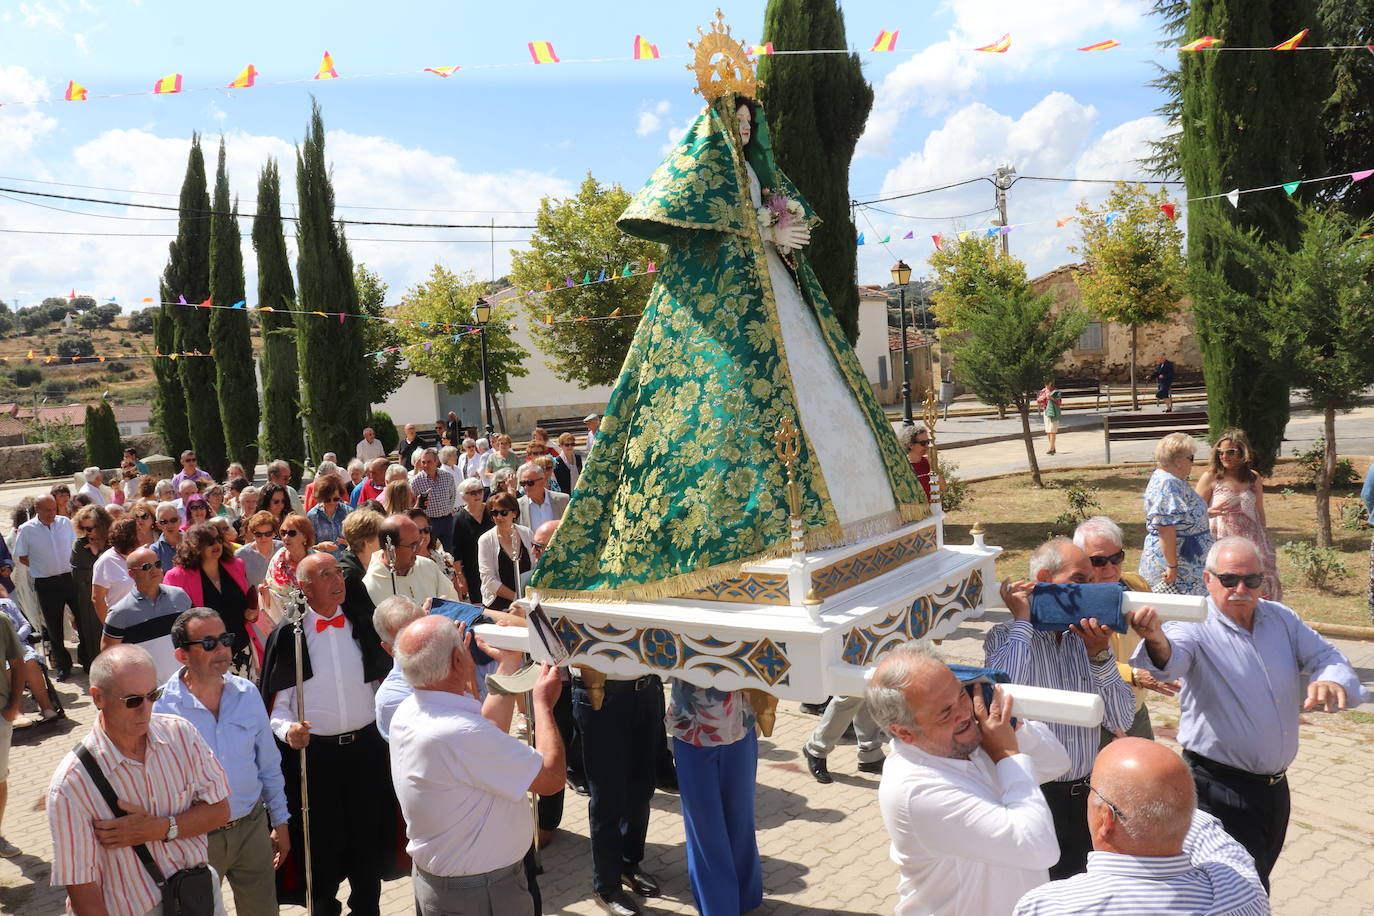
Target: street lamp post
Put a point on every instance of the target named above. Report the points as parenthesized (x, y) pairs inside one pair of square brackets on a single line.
[(901, 275), (481, 313)]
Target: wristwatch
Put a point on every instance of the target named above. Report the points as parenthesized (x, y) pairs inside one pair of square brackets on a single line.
[(1101, 657), (171, 829)]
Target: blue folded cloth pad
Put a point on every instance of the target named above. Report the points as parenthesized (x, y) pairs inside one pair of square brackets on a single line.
[(469, 614), (972, 674), (1054, 607)]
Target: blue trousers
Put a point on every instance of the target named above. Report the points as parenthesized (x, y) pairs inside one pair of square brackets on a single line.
[(717, 796)]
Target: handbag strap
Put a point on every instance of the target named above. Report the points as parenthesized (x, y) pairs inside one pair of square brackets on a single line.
[(107, 791)]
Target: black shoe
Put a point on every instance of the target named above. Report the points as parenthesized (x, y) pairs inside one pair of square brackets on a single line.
[(64, 674), (641, 882), (579, 786), (872, 766), (618, 903), (817, 767), (814, 709)]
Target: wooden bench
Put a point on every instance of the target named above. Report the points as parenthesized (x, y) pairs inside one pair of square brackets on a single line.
[(1081, 387), (556, 426), (1128, 426)]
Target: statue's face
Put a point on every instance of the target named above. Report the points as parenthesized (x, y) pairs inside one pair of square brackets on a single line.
[(746, 123)]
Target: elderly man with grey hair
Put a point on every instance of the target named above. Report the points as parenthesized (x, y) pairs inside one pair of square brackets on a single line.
[(1242, 670), (389, 618), (1153, 851), (437, 492), (538, 504), (93, 479), (369, 446), (462, 780), (970, 830), (1080, 660)]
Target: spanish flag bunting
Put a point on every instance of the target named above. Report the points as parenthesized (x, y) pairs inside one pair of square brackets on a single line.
[(147, 298), (570, 282), (240, 304), (1169, 210), (548, 319), (327, 71), (615, 314), (644, 50), (75, 92), (602, 277), (587, 277), (1000, 46), (341, 321), (245, 79), (1201, 44), (542, 52), (886, 239), (1234, 197), (1292, 43), (761, 49), (548, 286), (860, 240), (30, 355), (886, 41), (626, 271), (181, 300), (167, 85), (1103, 45), (445, 72)]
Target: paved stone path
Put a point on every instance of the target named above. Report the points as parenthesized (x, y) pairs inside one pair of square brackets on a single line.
[(824, 848)]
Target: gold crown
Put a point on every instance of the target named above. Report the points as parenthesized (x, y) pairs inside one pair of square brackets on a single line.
[(722, 64)]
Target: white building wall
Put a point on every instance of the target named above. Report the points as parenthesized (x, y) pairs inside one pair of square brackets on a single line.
[(416, 401)]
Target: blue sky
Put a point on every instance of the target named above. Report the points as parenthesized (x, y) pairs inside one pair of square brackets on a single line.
[(486, 144)]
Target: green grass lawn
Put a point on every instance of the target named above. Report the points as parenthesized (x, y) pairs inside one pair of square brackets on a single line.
[(1018, 517)]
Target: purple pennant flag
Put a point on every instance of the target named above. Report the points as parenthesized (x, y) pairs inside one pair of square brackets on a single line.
[(181, 300), (570, 282), (910, 235), (427, 346)]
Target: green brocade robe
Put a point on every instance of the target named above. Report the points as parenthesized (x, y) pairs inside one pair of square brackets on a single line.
[(685, 484)]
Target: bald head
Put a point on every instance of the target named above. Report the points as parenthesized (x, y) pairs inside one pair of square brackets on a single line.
[(542, 535), (1152, 790)]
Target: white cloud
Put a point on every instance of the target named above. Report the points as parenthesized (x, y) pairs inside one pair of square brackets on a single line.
[(22, 125), (79, 39), (40, 13), (650, 119)]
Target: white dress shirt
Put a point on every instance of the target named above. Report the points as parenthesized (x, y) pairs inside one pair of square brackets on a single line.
[(461, 783), (111, 572), (337, 699), (48, 547), (366, 451), (425, 580), (94, 492), (970, 836)]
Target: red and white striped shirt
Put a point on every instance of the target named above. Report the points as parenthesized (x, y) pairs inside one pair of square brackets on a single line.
[(178, 770)]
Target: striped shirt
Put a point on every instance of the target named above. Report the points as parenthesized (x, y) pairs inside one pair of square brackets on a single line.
[(1060, 661), (1214, 876), (177, 771)]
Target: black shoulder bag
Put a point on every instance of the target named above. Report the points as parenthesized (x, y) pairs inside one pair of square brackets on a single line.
[(189, 892)]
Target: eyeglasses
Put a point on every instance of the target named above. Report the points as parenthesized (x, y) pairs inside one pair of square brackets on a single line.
[(134, 701), (500, 513), (1231, 580), (288, 533), (208, 643), (1228, 452), (168, 521), (1116, 812), (142, 517), (1114, 559), (144, 567), (264, 534)]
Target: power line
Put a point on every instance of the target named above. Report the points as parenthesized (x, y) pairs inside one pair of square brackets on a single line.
[(935, 218), (1102, 180), (172, 235)]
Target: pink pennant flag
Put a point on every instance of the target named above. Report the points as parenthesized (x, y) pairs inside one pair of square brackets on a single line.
[(937, 240), (1361, 175)]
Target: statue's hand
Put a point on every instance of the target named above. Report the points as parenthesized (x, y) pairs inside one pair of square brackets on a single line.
[(792, 236)]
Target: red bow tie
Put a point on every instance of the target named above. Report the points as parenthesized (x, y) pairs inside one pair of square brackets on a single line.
[(324, 623)]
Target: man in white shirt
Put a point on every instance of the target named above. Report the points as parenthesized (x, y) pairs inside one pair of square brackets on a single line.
[(960, 794), (462, 780), (593, 424), (279, 473), (369, 447), (538, 504), (44, 545), (410, 575)]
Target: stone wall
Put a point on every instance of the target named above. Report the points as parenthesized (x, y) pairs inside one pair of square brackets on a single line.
[(25, 462)]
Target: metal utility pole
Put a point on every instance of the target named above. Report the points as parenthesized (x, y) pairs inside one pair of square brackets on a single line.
[(1003, 178)]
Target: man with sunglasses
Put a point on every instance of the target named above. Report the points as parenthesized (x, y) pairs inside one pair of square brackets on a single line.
[(538, 504), (145, 616), (228, 712), (190, 470), (171, 790), (1242, 671)]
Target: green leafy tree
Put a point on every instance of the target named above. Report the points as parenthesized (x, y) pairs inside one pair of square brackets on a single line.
[(966, 275), (82, 304), (1136, 270), (330, 350), (577, 238), (103, 447), (444, 302), (68, 347), (387, 372), (282, 431), (817, 106), (188, 275), (169, 403), (1008, 339), (235, 375), (1350, 107)]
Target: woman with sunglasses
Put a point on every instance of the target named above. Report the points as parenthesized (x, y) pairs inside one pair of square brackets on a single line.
[(110, 579), (92, 524), (503, 553), (144, 516), (330, 509), (298, 539), (1234, 493), (430, 547), (214, 579), (260, 545), (218, 506), (276, 500), (1176, 535), (470, 522), (197, 511)]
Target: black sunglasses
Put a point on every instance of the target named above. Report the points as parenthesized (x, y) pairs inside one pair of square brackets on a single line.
[(1231, 580), (500, 513), (531, 482), (1113, 559), (264, 534), (1228, 452), (168, 521), (136, 700), (144, 567), (208, 643)]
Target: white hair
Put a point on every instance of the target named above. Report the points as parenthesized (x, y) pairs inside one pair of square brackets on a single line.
[(1049, 557), (326, 469), (431, 661), (1234, 542), (468, 485), (448, 452), (168, 505), (331, 457), (164, 488), (391, 616), (528, 467), (114, 661), (92, 475), (482, 444), (886, 692), (355, 463), (1099, 525), (396, 472), (472, 442)]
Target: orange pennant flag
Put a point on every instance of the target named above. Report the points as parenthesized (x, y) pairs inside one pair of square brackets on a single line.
[(147, 298), (167, 85), (1201, 44), (1292, 43), (75, 92), (445, 72), (1061, 223), (644, 50), (1000, 46), (209, 301), (886, 41), (1103, 45), (542, 52), (761, 49), (30, 355), (327, 71), (246, 78)]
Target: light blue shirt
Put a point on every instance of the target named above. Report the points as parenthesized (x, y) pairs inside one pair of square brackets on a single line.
[(241, 740), (1242, 691), (326, 528), (394, 690), (1367, 492)]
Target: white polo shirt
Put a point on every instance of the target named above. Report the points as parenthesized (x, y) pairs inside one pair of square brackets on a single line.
[(462, 785), (48, 547)]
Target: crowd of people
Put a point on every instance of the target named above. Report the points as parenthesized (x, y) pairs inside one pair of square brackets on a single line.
[(184, 607)]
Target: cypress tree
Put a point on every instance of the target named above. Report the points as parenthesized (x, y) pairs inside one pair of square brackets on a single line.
[(817, 106), (188, 275), (103, 448), (1249, 120), (333, 377), (169, 404), (235, 377), (283, 435)]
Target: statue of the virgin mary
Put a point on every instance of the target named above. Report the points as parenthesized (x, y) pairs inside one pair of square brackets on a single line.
[(685, 484)]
